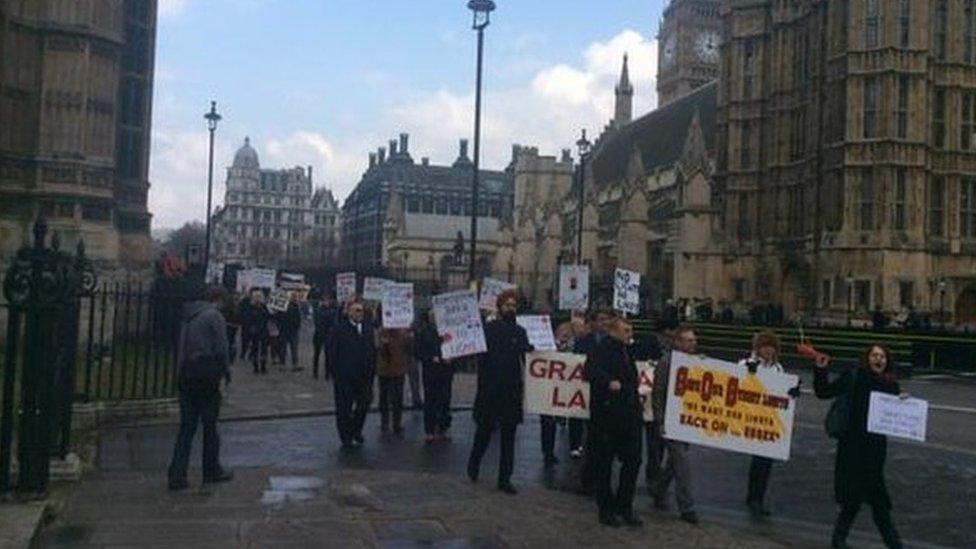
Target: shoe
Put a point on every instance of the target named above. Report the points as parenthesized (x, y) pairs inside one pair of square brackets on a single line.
[(507, 488), (551, 460), (576, 453), (630, 519), (222, 476), (690, 517), (473, 472), (178, 484), (610, 520), (660, 503)]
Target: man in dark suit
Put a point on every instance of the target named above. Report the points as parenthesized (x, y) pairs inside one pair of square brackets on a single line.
[(352, 352), (599, 324), (616, 421), (325, 318)]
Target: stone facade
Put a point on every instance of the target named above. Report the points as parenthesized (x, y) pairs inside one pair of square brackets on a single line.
[(688, 47), (76, 80), (272, 218)]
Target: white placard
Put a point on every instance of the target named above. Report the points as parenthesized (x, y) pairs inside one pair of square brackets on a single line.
[(278, 300), (626, 291), (373, 288), (243, 281), (262, 278), (539, 330), (397, 304), (490, 290), (345, 287), (459, 324), (555, 385), (574, 287), (897, 417), (721, 405)]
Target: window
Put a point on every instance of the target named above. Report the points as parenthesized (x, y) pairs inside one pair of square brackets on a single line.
[(739, 290), (970, 24), (745, 232), (871, 24), (748, 69), (413, 205), (906, 293), (96, 212), (798, 133), (825, 294), (745, 159), (904, 23), (937, 206), (867, 200), (938, 119), (967, 208), (428, 205), (871, 107), (903, 91), (941, 29), (862, 295), (900, 198), (441, 206), (968, 121)]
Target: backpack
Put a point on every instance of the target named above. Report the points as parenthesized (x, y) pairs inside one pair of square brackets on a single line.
[(838, 420)]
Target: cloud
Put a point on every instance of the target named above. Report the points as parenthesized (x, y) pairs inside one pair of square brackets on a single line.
[(172, 9)]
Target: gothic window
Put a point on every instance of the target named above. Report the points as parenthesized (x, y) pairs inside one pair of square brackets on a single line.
[(862, 295), (938, 118), (748, 69), (967, 208), (745, 159), (903, 91), (870, 112), (739, 290), (745, 221), (900, 200), (825, 293), (866, 208), (871, 24), (937, 206), (796, 211), (968, 120), (904, 22), (906, 293), (798, 133), (941, 29)]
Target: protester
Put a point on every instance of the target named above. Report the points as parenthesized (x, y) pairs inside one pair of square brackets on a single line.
[(859, 464), (276, 341), (580, 329), (498, 401), (393, 355), (678, 466), (257, 327), (438, 378), (202, 361), (228, 309), (547, 428), (244, 316), (291, 328), (324, 318), (351, 351), (617, 416), (599, 324)]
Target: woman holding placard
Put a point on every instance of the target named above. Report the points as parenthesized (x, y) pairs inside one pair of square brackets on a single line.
[(859, 466)]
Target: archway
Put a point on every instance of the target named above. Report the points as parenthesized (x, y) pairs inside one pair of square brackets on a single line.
[(966, 305)]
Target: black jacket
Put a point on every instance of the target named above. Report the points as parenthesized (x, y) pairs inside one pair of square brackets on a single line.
[(352, 354), (203, 348), (612, 361), (427, 344), (499, 397), (292, 320), (325, 319)]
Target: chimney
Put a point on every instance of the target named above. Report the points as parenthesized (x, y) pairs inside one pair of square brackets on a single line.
[(381, 156), (393, 148), (425, 161), (372, 159), (567, 156), (463, 149), (404, 140)]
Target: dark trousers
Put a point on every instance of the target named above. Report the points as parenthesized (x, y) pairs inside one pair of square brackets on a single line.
[(291, 342), (547, 426), (438, 379), (391, 398), (414, 376), (259, 354), (277, 345), (232, 342), (588, 479), (759, 471), (245, 342), (506, 461), (318, 345), (352, 400), (617, 442), (882, 519), (199, 403), (576, 428), (655, 452)]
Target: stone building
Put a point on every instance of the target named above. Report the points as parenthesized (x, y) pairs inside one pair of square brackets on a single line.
[(411, 217), (688, 51), (76, 80), (271, 218)]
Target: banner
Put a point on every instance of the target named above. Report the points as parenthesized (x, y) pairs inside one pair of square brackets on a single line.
[(721, 405), (397, 305), (574, 287), (373, 288), (278, 300), (539, 330), (490, 290), (626, 291), (459, 324), (345, 287), (897, 417), (262, 278), (554, 385), (292, 278)]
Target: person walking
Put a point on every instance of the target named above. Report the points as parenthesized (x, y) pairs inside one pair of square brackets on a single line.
[(352, 352), (291, 329), (257, 321), (617, 419), (599, 324), (393, 355), (498, 401), (678, 466), (202, 361), (324, 318), (438, 376), (859, 464)]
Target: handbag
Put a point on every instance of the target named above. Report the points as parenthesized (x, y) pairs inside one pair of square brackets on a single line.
[(838, 420)]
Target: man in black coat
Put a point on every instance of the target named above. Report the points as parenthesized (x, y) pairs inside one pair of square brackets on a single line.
[(324, 318), (292, 325), (352, 352), (616, 421), (498, 402), (599, 325)]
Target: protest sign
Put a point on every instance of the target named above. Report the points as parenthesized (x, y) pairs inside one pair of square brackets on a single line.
[(626, 291), (720, 404), (262, 278), (897, 417), (397, 304), (278, 300), (345, 287), (555, 385), (574, 287), (490, 290), (645, 384), (373, 288), (539, 330), (243, 281), (459, 324)]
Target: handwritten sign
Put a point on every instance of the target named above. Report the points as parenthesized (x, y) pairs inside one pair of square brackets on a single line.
[(397, 304), (720, 404), (278, 300), (459, 324), (555, 385), (896, 417), (345, 286), (626, 291), (261, 278), (490, 290), (373, 288), (574, 287), (539, 330)]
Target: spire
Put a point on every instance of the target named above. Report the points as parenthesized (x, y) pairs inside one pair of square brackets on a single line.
[(624, 105)]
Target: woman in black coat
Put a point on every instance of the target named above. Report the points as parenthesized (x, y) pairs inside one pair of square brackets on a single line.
[(859, 466)]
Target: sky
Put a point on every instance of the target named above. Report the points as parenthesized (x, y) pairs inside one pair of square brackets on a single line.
[(322, 83)]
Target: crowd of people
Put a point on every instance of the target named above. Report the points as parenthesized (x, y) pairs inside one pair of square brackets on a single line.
[(359, 354)]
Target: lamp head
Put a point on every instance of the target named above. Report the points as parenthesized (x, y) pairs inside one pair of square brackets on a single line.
[(212, 117), (583, 144), (482, 13)]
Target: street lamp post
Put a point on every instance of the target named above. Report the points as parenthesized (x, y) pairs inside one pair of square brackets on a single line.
[(482, 17), (212, 118), (850, 297), (584, 150)]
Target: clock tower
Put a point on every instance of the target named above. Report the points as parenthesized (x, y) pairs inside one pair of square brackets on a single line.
[(688, 47)]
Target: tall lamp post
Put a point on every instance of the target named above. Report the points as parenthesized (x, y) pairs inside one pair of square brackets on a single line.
[(583, 145), (482, 17), (212, 118), (942, 294), (850, 297)]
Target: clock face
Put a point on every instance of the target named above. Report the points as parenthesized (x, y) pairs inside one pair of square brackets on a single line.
[(669, 52), (706, 47)]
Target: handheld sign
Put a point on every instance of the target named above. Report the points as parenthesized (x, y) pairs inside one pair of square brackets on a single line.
[(262, 278), (278, 301), (555, 385), (626, 291), (574, 287), (897, 417), (373, 288), (539, 330), (490, 290), (397, 305), (345, 286), (459, 324)]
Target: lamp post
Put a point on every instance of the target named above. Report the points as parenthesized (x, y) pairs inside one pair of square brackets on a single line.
[(481, 10), (850, 297), (212, 118), (583, 145), (942, 293)]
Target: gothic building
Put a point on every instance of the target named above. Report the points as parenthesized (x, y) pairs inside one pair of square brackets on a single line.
[(688, 47), (271, 218), (76, 79)]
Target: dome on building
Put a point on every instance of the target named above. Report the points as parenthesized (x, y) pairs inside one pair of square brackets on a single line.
[(246, 156)]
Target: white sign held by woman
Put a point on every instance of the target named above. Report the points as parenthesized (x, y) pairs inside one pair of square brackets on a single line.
[(898, 417), (539, 330)]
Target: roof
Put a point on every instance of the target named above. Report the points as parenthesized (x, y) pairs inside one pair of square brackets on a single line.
[(246, 156), (659, 136)]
